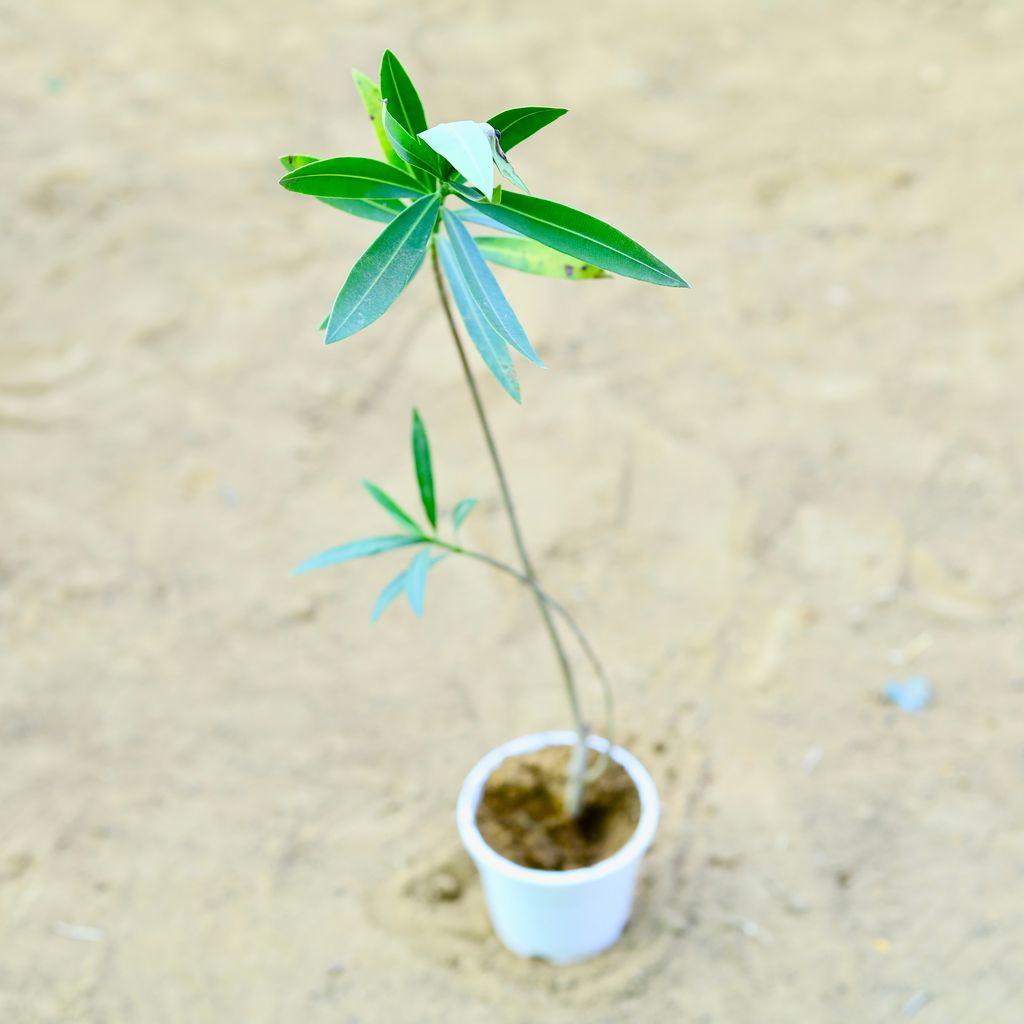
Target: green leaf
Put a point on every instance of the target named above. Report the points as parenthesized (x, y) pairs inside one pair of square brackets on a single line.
[(416, 581), (352, 177), (388, 594), (485, 290), (397, 89), (580, 235), (520, 123), (424, 469), (466, 145), (383, 210), (411, 149), (369, 93), (392, 508), (467, 192), (505, 169), (501, 161), (470, 216), (386, 267), (356, 549), (399, 585), (533, 258), (489, 344), (295, 160), (462, 510), (323, 325)]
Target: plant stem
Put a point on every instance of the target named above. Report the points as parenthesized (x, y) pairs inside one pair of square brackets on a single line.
[(581, 638), (574, 788)]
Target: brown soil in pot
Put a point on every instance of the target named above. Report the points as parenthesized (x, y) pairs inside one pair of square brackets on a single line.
[(522, 813)]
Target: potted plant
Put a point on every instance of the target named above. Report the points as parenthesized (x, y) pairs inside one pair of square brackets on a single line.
[(556, 822)]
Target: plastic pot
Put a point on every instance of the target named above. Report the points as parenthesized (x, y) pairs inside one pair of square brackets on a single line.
[(560, 916)]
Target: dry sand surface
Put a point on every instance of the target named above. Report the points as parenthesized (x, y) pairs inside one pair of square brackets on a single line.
[(224, 797)]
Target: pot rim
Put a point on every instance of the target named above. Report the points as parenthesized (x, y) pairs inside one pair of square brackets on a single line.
[(472, 788)]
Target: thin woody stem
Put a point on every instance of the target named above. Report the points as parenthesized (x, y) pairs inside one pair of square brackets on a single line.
[(574, 792), (574, 627)]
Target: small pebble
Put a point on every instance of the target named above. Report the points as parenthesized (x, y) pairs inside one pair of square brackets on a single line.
[(910, 695), (443, 887)]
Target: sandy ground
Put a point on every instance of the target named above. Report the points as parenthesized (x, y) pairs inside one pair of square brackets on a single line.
[(225, 797)]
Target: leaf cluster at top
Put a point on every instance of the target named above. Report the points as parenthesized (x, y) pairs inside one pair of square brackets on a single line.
[(425, 166)]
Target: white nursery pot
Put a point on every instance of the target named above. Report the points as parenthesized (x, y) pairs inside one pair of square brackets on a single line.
[(561, 916)]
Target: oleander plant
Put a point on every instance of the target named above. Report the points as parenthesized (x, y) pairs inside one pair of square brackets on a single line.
[(435, 192)]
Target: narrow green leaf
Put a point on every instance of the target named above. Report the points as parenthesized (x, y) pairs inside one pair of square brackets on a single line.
[(411, 149), (462, 510), (505, 169), (388, 594), (424, 469), (386, 267), (323, 325), (485, 289), (397, 89), (356, 549), (352, 177), (369, 93), (467, 192), (466, 145), (382, 210), (470, 216), (580, 235), (416, 581), (520, 123), (296, 160), (489, 344), (533, 258), (501, 161), (392, 508), (399, 586)]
